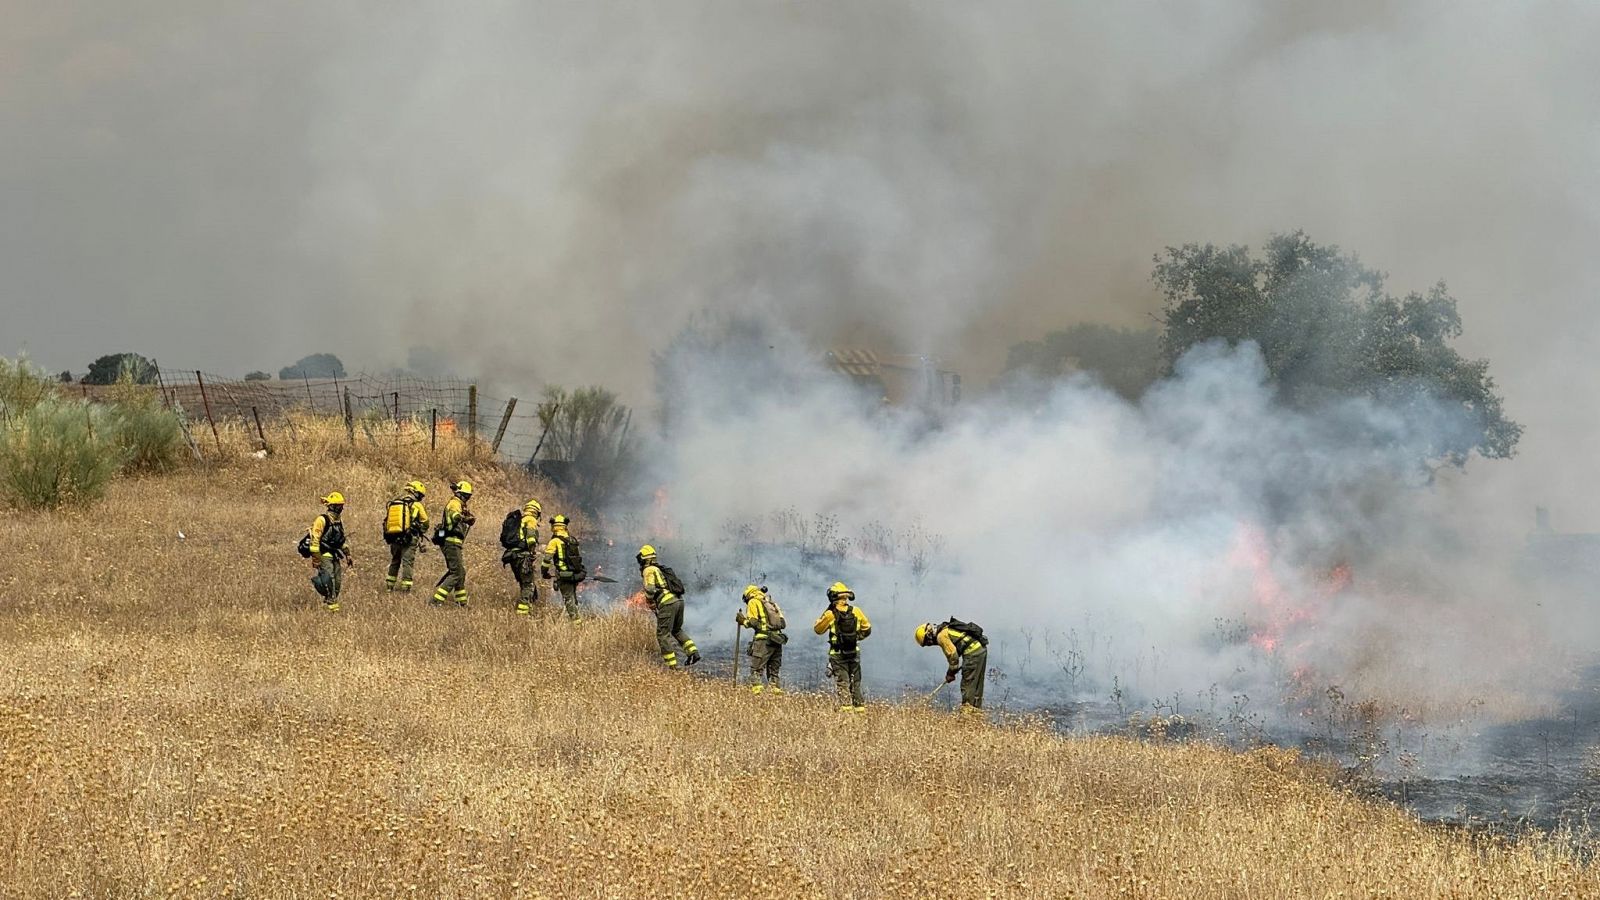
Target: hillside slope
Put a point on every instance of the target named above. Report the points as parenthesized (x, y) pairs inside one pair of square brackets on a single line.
[(180, 717)]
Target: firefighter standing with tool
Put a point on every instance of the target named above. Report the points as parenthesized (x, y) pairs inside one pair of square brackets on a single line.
[(966, 650), (521, 553), (563, 563), (454, 524), (846, 625), (325, 544), (404, 524), (763, 615), (663, 592)]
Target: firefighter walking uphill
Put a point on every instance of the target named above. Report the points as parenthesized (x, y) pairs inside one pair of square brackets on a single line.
[(519, 535), (454, 524), (563, 564), (404, 524), (324, 543), (663, 592)]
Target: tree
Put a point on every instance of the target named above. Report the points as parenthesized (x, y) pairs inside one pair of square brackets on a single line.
[(1329, 331), (317, 365), (586, 433), (257, 376), (1123, 359), (65, 377), (114, 367)]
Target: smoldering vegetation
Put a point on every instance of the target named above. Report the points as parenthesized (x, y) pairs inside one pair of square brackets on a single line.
[(1203, 561)]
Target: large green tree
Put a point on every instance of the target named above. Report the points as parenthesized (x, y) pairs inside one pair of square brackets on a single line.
[(317, 365), (1125, 360), (113, 367), (1328, 330)]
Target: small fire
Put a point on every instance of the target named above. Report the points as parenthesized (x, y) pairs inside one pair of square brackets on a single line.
[(637, 601), (1280, 612)]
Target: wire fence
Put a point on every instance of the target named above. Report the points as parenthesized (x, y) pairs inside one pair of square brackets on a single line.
[(386, 410)]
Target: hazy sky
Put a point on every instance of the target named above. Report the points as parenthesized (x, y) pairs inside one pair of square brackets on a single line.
[(552, 188)]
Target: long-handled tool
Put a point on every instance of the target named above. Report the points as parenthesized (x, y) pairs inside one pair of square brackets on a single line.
[(933, 696), (738, 632)]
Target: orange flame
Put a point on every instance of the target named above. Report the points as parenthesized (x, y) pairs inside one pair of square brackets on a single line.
[(1278, 611), (636, 601)]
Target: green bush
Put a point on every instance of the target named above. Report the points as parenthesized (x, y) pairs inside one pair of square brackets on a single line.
[(22, 387), (147, 434), (57, 453)]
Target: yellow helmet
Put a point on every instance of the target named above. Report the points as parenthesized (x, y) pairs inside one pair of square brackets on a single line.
[(334, 499), (647, 552), (924, 631), (533, 508), (838, 589), (560, 521), (464, 487), (416, 487), (751, 592)]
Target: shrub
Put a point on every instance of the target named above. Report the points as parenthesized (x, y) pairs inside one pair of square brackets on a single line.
[(57, 453), (147, 434), (258, 376), (586, 433), (317, 365), (22, 387)]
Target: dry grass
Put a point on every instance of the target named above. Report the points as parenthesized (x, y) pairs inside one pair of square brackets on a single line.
[(179, 717)]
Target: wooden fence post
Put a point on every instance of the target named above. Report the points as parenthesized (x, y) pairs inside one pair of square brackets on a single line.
[(433, 430), (397, 406), (200, 379), (349, 419), (472, 420), (260, 433), (499, 433), (161, 385)]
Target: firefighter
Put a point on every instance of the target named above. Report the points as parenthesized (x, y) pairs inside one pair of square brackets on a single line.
[(404, 525), (966, 650), (762, 615), (454, 524), (329, 553), (846, 626), (668, 605), (563, 563), (522, 555)]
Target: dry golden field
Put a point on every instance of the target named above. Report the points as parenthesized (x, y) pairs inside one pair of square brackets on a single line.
[(179, 717)]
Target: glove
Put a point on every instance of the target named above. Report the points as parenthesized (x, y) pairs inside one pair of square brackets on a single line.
[(739, 617), (950, 676)]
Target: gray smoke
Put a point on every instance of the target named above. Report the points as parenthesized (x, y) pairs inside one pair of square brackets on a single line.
[(549, 191)]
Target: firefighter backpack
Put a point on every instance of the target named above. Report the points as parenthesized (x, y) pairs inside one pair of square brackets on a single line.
[(397, 520)]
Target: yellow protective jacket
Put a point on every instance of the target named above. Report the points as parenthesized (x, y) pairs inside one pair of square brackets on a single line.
[(555, 554), (956, 645), (655, 587), (528, 534), (828, 624), (755, 617), (327, 535), (419, 516), (457, 521)]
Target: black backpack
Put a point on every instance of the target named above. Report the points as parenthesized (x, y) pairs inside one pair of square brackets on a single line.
[(572, 554), (969, 629), (845, 625), (674, 583), (305, 545), (511, 530)]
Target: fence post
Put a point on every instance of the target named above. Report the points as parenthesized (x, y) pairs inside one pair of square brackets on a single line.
[(259, 432), (160, 384), (505, 420), (433, 430), (206, 401), (472, 420), (397, 406), (349, 419)]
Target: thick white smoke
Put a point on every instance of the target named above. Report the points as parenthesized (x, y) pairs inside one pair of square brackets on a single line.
[(1205, 538)]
